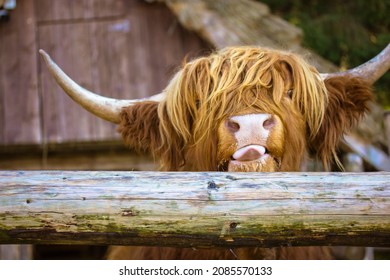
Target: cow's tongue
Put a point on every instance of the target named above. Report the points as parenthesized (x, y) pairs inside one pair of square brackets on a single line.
[(249, 153)]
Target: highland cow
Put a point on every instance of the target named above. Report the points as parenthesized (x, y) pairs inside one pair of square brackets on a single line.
[(244, 109)]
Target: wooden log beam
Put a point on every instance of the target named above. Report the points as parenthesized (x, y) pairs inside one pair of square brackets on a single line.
[(195, 209)]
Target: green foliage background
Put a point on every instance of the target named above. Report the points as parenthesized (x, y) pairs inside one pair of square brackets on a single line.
[(348, 32)]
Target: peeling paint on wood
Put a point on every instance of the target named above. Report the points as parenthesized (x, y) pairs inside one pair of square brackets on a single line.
[(194, 209)]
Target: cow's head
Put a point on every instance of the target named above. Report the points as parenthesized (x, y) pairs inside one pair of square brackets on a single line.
[(240, 109)]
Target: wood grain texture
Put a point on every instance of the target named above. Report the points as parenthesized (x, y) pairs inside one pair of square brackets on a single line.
[(195, 209), (19, 100), (57, 10), (109, 46), (127, 56), (80, 156)]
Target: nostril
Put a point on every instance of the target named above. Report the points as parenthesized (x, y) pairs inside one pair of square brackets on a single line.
[(232, 126), (269, 123)]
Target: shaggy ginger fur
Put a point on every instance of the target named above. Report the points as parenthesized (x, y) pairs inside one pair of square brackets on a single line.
[(187, 130)]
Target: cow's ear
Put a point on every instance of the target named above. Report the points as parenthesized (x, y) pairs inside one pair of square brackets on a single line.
[(139, 126), (348, 100)]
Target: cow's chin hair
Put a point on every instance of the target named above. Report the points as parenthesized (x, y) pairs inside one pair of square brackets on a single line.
[(267, 164)]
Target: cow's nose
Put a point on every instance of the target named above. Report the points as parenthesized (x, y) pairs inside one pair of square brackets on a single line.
[(250, 122), (251, 131)]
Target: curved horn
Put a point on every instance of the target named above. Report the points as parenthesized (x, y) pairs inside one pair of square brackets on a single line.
[(106, 108), (371, 70)]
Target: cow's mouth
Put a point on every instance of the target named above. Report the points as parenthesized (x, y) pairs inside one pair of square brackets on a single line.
[(249, 153), (253, 158)]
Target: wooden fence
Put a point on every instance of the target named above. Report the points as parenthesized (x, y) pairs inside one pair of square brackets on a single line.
[(194, 209)]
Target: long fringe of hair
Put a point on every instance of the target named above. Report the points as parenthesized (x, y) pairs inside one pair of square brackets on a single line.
[(209, 89)]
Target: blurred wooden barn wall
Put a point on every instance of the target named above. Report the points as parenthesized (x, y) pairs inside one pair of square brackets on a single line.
[(122, 49), (119, 48)]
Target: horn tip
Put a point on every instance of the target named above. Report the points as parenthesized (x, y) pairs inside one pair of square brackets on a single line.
[(44, 54)]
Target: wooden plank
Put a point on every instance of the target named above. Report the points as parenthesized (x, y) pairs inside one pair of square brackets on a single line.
[(59, 10), (195, 209), (108, 159), (168, 44), (19, 101), (155, 47)]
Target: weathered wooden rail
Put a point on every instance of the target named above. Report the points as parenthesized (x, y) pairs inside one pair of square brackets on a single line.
[(195, 209)]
